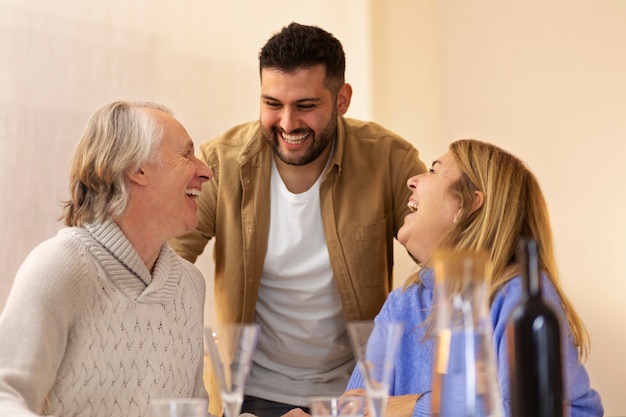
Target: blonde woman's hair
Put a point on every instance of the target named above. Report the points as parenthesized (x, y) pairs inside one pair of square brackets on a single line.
[(514, 207), (119, 137)]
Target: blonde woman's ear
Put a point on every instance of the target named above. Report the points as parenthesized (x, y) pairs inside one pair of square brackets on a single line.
[(457, 215), (479, 200)]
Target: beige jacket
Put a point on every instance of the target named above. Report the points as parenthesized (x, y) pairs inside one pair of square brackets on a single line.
[(364, 200)]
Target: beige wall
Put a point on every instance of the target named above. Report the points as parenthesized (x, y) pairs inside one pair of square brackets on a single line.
[(542, 79), (550, 85)]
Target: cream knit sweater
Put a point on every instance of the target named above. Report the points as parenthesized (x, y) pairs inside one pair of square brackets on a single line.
[(88, 331)]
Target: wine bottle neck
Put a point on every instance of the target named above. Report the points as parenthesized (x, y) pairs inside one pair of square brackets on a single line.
[(533, 284), (530, 268)]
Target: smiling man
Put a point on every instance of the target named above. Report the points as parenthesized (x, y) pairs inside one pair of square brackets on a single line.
[(104, 316), (304, 207)]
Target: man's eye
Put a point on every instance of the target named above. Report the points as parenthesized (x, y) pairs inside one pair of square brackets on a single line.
[(272, 104), (306, 106)]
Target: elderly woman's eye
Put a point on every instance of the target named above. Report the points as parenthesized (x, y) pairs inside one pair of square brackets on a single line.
[(431, 171)]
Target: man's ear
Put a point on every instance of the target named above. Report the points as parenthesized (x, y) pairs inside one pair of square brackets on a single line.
[(138, 176), (343, 99)]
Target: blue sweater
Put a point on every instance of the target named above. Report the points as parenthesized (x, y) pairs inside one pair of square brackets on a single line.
[(413, 369)]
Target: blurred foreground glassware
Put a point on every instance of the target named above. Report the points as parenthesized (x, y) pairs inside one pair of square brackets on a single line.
[(178, 407), (348, 406), (376, 361), (464, 374), (231, 347)]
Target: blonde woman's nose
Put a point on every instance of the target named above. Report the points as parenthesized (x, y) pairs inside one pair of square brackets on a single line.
[(411, 182)]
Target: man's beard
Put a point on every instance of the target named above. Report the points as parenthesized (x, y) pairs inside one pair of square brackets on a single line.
[(319, 144)]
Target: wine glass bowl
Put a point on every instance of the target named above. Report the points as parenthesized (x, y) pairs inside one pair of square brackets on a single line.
[(375, 346), (343, 406), (464, 378), (231, 347)]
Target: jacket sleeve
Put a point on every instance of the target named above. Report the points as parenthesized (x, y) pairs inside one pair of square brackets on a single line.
[(191, 244), (406, 167)]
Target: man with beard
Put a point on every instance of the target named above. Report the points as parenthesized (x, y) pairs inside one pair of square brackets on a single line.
[(304, 207)]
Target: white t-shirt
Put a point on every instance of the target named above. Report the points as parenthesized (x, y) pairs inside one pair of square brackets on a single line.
[(303, 348)]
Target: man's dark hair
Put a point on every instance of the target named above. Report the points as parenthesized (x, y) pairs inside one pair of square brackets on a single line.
[(299, 46)]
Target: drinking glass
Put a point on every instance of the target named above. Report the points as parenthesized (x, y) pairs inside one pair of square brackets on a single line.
[(375, 346), (178, 407), (231, 347), (464, 374), (348, 406)]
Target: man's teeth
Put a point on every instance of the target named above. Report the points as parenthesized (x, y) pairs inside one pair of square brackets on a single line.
[(295, 139), (412, 205)]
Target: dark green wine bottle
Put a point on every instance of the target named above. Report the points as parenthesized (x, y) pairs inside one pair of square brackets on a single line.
[(534, 343)]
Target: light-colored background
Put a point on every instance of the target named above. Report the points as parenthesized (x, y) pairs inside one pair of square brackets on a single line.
[(543, 79)]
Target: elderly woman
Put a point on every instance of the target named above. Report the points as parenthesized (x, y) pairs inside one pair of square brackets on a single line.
[(105, 316), (476, 197)]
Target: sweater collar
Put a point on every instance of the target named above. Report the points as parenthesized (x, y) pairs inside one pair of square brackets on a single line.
[(427, 278), (127, 271)]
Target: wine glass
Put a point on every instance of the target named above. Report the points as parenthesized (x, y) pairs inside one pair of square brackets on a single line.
[(231, 347), (375, 346), (178, 407), (343, 406)]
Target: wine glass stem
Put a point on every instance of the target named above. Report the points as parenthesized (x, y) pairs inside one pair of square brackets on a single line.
[(377, 403), (232, 407)]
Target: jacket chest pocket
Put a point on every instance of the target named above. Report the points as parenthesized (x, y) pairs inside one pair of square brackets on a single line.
[(371, 243)]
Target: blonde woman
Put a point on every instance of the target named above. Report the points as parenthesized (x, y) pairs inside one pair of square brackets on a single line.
[(477, 197)]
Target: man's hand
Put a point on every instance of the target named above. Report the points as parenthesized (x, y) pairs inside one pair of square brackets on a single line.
[(397, 406), (359, 392), (401, 405), (296, 412)]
